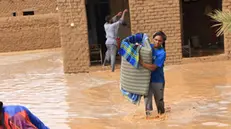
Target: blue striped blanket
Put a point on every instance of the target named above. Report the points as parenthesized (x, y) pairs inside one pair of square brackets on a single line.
[(134, 98), (130, 47)]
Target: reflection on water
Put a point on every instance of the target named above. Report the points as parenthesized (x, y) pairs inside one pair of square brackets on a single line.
[(199, 96)]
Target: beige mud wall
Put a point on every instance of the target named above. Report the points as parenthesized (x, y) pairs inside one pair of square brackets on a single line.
[(40, 31), (74, 39), (226, 6), (150, 16), (7, 7), (29, 33)]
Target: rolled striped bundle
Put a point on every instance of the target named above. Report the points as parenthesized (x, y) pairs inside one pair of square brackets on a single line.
[(137, 80)]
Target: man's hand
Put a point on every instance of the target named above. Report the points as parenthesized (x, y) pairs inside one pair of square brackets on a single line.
[(119, 13), (126, 10)]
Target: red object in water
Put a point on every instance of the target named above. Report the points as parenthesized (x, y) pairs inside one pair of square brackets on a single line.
[(118, 42)]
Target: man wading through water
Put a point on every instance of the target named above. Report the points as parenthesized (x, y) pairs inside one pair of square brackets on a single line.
[(157, 83), (111, 28)]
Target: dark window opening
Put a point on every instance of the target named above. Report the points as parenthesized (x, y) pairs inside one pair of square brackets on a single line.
[(96, 11), (14, 14), (25, 13)]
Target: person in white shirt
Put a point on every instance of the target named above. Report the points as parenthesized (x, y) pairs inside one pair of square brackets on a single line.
[(111, 28)]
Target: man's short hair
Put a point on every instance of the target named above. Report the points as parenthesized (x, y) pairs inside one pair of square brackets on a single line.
[(108, 18)]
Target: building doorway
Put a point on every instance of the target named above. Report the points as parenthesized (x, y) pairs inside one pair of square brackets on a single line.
[(198, 35), (96, 11)]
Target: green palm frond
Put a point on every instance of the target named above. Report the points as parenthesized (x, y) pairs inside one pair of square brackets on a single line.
[(224, 21)]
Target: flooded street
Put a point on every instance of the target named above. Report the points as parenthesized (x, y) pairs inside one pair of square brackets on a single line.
[(198, 94)]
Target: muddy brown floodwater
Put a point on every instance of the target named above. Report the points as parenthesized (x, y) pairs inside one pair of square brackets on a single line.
[(198, 94)]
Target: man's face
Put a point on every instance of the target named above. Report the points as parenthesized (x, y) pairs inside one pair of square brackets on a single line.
[(158, 41)]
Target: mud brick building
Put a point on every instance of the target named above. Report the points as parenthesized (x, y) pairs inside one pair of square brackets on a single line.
[(185, 22), (28, 25)]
